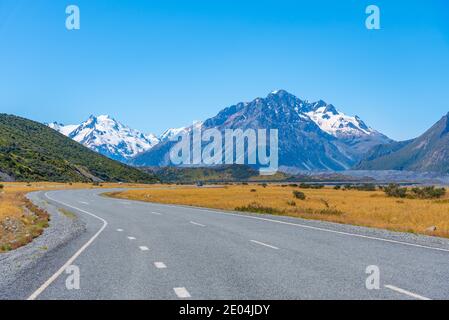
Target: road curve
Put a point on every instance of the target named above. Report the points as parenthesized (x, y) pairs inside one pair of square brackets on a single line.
[(137, 250)]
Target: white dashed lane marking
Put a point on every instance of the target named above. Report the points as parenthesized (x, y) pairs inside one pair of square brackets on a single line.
[(160, 265), (182, 293), (197, 224), (83, 202), (264, 244), (408, 293), (120, 230), (156, 213), (131, 238), (143, 248)]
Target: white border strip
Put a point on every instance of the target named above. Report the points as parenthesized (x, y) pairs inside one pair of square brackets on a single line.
[(73, 258), (408, 293), (182, 293), (197, 224), (264, 244)]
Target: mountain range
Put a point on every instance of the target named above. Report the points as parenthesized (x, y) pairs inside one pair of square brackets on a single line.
[(312, 135)]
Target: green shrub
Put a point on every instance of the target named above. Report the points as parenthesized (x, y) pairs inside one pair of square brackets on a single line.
[(395, 191), (428, 192), (311, 186), (299, 195), (258, 208), (366, 187), (360, 187)]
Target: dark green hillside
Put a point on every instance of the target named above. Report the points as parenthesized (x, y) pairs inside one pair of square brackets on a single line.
[(30, 151), (223, 173)]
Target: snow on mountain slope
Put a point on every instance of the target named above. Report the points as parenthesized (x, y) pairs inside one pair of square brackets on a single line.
[(172, 132), (337, 123), (64, 129), (312, 136), (108, 137)]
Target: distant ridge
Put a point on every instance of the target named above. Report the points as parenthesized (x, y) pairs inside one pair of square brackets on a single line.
[(427, 153)]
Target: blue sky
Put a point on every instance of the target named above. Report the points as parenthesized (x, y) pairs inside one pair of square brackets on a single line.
[(159, 64)]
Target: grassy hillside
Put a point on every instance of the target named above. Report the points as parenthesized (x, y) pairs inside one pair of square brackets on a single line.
[(30, 151)]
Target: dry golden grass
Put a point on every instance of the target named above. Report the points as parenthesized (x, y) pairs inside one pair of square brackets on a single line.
[(20, 220), (371, 209)]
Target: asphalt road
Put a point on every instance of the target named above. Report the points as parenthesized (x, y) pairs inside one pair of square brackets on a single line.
[(137, 250)]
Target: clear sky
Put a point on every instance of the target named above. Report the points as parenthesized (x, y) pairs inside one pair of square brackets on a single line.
[(157, 64)]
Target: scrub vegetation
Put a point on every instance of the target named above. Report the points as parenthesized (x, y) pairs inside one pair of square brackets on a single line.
[(417, 212)]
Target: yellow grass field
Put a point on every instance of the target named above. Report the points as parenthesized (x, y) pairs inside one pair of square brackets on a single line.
[(20, 220), (364, 208)]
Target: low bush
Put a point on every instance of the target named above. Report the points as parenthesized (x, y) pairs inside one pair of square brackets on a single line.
[(395, 191), (299, 195), (258, 208), (360, 187), (428, 192), (311, 186)]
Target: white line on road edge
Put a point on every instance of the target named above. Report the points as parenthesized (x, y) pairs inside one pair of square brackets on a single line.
[(408, 293), (197, 224), (120, 230), (182, 293), (76, 255), (143, 248), (131, 238), (160, 265), (264, 244), (317, 228)]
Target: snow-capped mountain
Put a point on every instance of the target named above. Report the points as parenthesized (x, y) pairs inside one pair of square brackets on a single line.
[(108, 137), (65, 130), (172, 132), (337, 123), (312, 136)]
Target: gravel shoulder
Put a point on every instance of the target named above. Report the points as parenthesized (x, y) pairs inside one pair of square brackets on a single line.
[(62, 229)]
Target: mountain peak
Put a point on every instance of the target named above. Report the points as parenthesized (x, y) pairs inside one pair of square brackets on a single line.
[(109, 137), (279, 93)]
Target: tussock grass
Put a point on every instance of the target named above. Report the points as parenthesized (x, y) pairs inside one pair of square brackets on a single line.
[(365, 208)]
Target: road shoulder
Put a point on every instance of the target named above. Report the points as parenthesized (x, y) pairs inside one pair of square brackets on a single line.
[(62, 229)]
